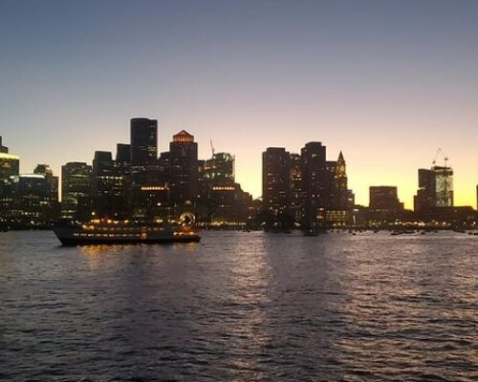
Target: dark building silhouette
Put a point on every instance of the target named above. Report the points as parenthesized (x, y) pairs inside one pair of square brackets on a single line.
[(144, 167), (53, 185), (343, 199), (144, 141), (221, 202), (276, 180), (315, 184), (76, 189), (385, 206), (3, 149), (9, 164), (123, 153), (108, 185), (384, 198), (183, 169), (296, 195), (123, 170)]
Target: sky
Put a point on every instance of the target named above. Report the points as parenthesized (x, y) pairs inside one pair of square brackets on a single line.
[(387, 82)]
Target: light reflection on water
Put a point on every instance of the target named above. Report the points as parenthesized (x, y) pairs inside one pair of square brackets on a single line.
[(241, 307)]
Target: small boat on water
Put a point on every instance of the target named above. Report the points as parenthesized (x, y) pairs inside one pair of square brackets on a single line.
[(124, 232), (311, 232)]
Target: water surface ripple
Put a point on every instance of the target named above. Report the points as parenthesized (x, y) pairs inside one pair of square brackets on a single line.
[(241, 307)]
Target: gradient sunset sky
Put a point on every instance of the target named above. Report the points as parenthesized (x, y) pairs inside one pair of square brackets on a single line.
[(386, 82)]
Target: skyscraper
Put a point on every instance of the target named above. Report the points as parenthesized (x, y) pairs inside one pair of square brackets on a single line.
[(144, 141), (107, 186), (3, 149), (384, 198), (53, 183), (219, 169), (296, 198), (75, 187), (276, 180), (183, 168), (9, 164), (314, 178), (435, 188)]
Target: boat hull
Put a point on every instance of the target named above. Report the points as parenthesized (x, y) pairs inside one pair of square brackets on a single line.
[(75, 237)]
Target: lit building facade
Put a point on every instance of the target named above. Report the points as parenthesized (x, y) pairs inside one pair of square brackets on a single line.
[(296, 198), (76, 189), (26, 202), (435, 188), (53, 185), (9, 164), (219, 169), (108, 186), (183, 169), (276, 180), (315, 184)]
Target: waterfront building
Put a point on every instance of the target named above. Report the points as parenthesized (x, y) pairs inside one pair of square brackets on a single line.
[(343, 199), (53, 185), (9, 164), (144, 141), (296, 197), (3, 149), (435, 188), (276, 181), (26, 202), (183, 169), (385, 207), (219, 169), (75, 190), (123, 153), (384, 198), (108, 186), (314, 176)]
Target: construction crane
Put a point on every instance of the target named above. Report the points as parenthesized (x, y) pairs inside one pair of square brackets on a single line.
[(445, 158), (212, 148)]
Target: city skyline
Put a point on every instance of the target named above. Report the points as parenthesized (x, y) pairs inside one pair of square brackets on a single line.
[(387, 84), (152, 153)]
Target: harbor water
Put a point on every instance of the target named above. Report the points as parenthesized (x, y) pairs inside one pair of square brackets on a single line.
[(241, 307)]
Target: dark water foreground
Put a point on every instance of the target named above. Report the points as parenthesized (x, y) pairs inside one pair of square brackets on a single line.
[(241, 307)]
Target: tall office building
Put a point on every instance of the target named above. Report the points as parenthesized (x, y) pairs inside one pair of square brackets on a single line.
[(53, 186), (342, 194), (144, 141), (435, 188), (276, 180), (219, 169), (75, 187), (26, 201), (183, 168), (123, 153), (3, 149), (107, 186), (384, 198), (314, 176), (443, 186), (9, 164), (296, 198)]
